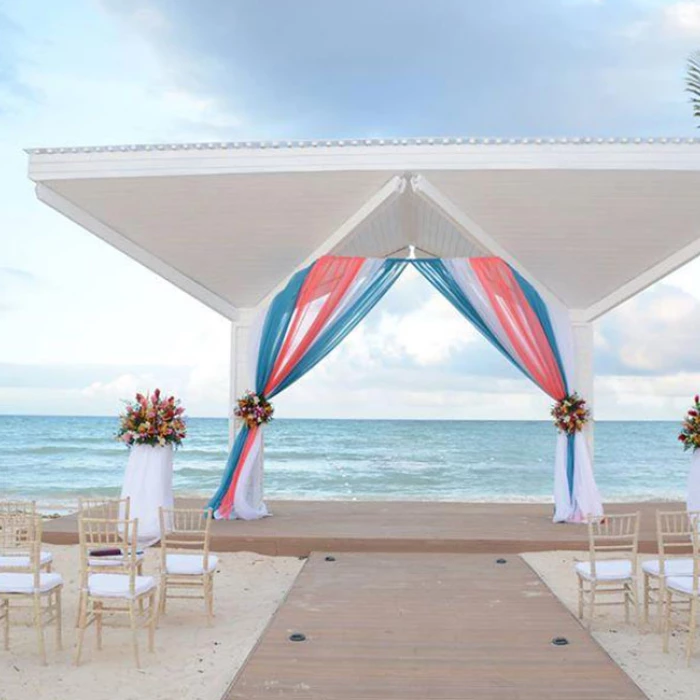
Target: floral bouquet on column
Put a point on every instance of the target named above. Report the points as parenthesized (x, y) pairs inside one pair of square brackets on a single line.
[(153, 420), (152, 426), (690, 438)]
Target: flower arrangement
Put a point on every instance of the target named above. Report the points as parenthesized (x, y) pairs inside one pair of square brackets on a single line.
[(153, 420), (571, 414), (253, 409), (690, 430)]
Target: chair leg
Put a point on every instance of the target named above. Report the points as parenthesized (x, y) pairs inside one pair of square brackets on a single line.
[(82, 624), (661, 599), (134, 633), (6, 626), (80, 607), (59, 621), (162, 596), (209, 598), (591, 604), (98, 608), (152, 620), (647, 594), (626, 593), (580, 598), (667, 621), (691, 629), (39, 627), (635, 603)]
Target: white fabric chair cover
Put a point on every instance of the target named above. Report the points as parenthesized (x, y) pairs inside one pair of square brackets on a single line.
[(22, 561), (683, 584), (189, 564), (24, 583), (117, 585), (606, 570), (672, 567)]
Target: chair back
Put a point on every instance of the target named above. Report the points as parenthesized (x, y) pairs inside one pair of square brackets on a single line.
[(185, 528), (20, 539), (614, 536), (107, 508), (109, 533), (17, 507), (695, 538), (674, 537)]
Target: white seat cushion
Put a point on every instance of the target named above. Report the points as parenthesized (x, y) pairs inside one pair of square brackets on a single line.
[(24, 583), (606, 570), (189, 564), (116, 560), (23, 561), (117, 585), (684, 584), (672, 567)]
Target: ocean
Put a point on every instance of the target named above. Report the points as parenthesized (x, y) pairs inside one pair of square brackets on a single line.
[(55, 459)]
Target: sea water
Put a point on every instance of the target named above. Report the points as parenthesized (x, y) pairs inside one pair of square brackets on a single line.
[(56, 459)]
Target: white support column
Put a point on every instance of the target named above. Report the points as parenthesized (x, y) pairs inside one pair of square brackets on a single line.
[(584, 379), (241, 372)]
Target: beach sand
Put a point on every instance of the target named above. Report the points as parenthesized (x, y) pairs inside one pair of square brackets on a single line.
[(637, 652), (191, 661)]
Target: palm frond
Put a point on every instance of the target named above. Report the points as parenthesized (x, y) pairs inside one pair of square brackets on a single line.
[(692, 82)]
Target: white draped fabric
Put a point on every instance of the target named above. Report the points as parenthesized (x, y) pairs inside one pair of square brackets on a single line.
[(148, 482), (585, 500)]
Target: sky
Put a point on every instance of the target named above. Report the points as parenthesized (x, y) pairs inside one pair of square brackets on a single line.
[(83, 327)]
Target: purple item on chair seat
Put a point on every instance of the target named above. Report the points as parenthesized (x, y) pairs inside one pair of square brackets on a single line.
[(115, 552)]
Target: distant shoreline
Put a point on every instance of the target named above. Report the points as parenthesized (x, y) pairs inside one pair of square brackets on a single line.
[(364, 420)]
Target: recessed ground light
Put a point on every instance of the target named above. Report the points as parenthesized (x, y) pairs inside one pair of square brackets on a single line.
[(329, 558), (560, 641), (501, 561), (297, 637)]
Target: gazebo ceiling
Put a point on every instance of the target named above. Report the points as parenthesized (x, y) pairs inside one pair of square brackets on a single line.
[(588, 223)]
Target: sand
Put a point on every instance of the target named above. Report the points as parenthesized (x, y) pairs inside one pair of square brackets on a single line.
[(191, 661), (637, 652)]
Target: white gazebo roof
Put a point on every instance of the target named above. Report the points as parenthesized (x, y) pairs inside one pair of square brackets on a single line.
[(589, 221)]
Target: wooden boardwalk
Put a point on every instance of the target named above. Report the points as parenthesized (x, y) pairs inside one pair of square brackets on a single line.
[(426, 627), (301, 527)]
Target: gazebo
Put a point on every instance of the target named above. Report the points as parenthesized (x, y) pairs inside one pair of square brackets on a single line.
[(587, 222)]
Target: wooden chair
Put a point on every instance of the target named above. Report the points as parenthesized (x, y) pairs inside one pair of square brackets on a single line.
[(20, 537), (121, 590), (686, 589), (674, 538), (616, 535), (104, 555), (188, 529), (22, 563), (108, 554)]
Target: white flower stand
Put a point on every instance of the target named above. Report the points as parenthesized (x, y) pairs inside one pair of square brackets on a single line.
[(148, 482), (694, 482)]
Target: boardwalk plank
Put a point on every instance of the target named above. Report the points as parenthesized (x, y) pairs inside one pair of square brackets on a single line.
[(440, 627)]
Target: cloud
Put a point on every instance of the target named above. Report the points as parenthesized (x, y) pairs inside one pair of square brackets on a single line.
[(320, 69), (14, 283), (13, 90), (654, 334), (683, 19)]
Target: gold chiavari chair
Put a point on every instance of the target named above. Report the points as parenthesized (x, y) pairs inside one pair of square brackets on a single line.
[(187, 529), (612, 567), (20, 537), (105, 556), (119, 591), (686, 589), (674, 541)]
